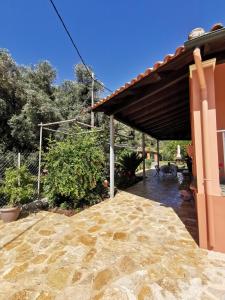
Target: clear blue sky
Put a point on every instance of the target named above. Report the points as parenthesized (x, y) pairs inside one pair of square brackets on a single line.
[(118, 38)]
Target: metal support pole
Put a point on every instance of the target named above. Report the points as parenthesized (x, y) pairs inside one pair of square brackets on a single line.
[(158, 154), (18, 165), (143, 155), (112, 156), (39, 161), (92, 101)]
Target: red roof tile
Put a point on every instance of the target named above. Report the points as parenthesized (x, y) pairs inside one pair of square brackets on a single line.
[(148, 71), (216, 26)]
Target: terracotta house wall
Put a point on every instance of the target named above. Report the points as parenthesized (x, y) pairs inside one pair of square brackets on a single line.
[(210, 203), (220, 112), (155, 157), (197, 158)]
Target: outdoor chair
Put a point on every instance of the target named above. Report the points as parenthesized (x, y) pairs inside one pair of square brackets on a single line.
[(157, 170), (168, 170)]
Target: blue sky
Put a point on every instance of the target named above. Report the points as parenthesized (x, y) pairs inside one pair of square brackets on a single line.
[(119, 38)]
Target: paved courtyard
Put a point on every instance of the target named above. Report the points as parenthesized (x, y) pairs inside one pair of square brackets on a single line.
[(132, 247)]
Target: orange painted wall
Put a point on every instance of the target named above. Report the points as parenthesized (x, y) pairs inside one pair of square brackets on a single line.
[(220, 111), (212, 225)]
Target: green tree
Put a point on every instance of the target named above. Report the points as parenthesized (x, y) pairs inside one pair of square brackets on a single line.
[(28, 96), (10, 100), (169, 149), (75, 169)]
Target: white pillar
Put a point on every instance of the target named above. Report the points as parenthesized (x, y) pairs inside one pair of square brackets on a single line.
[(39, 161), (18, 165), (112, 157), (158, 153), (92, 101), (143, 154), (18, 161)]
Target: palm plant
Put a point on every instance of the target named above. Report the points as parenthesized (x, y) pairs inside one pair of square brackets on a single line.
[(129, 162)]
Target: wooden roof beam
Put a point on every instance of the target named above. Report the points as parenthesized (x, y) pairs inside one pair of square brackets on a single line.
[(163, 117), (149, 93), (170, 129), (168, 93), (166, 123), (162, 110)]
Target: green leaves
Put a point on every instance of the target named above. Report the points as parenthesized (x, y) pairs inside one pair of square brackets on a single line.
[(129, 163), (18, 186), (170, 149), (28, 96), (75, 169)]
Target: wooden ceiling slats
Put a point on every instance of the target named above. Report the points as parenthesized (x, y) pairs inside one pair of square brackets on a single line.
[(165, 118), (171, 93), (162, 109)]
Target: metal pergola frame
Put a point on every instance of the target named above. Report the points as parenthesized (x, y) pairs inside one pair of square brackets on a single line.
[(112, 156), (45, 127)]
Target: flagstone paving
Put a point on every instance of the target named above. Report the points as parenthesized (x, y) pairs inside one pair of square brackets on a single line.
[(126, 248)]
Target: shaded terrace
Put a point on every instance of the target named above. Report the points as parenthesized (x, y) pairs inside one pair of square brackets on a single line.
[(158, 102)]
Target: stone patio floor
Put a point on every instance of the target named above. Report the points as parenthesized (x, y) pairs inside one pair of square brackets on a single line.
[(131, 247)]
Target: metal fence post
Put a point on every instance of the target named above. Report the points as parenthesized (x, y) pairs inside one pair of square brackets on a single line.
[(112, 166), (158, 154), (39, 161), (18, 166), (92, 101), (143, 155)]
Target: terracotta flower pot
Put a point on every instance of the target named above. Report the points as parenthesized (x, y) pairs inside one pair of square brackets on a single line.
[(106, 183), (10, 214)]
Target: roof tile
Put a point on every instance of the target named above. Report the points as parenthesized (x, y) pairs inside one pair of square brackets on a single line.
[(216, 26), (157, 65), (168, 58), (148, 71)]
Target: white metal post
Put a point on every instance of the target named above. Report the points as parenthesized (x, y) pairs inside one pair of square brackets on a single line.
[(143, 154), (158, 154), (39, 162), (92, 101), (112, 156), (18, 165)]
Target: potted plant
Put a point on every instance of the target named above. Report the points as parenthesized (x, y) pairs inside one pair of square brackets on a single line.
[(18, 188)]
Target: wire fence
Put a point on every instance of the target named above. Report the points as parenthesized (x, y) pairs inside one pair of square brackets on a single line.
[(17, 160)]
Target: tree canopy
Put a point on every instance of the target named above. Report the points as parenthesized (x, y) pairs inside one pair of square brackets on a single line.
[(169, 149), (29, 96)]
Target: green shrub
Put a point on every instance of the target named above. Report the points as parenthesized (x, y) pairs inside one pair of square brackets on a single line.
[(126, 167), (128, 163), (75, 170), (18, 186)]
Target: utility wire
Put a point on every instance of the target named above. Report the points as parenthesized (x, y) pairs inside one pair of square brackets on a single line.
[(75, 46)]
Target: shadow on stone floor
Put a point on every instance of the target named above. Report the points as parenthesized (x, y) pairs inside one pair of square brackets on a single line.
[(166, 191)]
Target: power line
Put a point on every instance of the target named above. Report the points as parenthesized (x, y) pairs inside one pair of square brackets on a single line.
[(75, 46)]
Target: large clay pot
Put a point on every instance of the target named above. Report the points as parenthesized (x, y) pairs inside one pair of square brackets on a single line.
[(10, 214), (106, 183)]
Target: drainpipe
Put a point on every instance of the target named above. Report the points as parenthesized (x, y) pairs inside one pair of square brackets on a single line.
[(206, 147)]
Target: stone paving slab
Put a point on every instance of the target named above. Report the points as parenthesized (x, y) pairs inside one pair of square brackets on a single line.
[(10, 232), (126, 248)]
